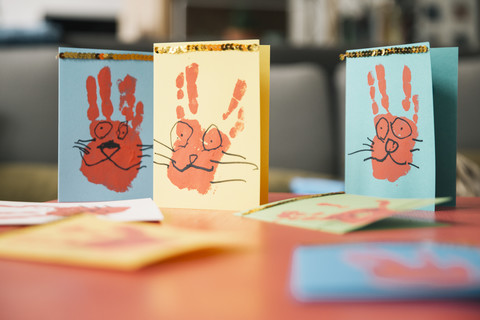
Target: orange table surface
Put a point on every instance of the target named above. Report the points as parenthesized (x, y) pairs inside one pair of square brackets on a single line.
[(252, 283)]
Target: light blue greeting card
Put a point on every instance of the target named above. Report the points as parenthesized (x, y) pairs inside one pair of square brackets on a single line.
[(401, 122), (105, 125), (385, 271)]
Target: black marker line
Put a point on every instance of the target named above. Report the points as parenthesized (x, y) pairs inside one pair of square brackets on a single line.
[(230, 180)]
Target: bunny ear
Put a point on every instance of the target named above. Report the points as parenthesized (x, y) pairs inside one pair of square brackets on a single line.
[(238, 92), (105, 84), (407, 87), (92, 112), (371, 83), (415, 105), (382, 85), (191, 75), (126, 87)]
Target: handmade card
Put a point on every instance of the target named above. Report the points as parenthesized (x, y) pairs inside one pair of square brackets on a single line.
[(211, 124), (87, 241), (372, 271), (24, 213), (105, 125), (336, 213), (401, 105)]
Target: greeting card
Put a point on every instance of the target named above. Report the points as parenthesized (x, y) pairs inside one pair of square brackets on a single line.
[(105, 125), (25, 213), (372, 271), (335, 213), (211, 124), (401, 107), (88, 241)]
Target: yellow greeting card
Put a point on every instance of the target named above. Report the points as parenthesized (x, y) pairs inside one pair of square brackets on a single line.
[(88, 241), (211, 124)]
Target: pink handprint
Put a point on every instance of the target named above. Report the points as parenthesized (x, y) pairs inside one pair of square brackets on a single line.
[(113, 156), (196, 151), (394, 143)]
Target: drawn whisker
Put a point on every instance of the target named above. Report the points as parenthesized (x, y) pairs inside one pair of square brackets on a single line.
[(82, 144), (411, 164), (413, 150), (144, 155), (141, 167), (161, 155), (417, 140), (162, 164), (86, 141), (370, 141), (368, 145), (163, 144), (144, 147), (229, 180), (236, 162), (234, 155), (361, 150), (84, 150)]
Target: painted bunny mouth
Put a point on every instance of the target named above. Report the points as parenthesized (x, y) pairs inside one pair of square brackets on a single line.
[(109, 148)]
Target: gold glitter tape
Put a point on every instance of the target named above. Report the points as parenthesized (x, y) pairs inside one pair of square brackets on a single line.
[(105, 56), (384, 52), (207, 47), (274, 204)]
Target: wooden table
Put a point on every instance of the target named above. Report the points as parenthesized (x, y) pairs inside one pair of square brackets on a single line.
[(243, 284)]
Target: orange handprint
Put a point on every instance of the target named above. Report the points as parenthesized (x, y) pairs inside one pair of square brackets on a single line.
[(196, 151), (394, 143), (114, 154)]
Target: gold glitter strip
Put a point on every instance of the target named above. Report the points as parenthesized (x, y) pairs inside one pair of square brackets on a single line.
[(384, 52), (105, 56), (274, 204), (207, 47)]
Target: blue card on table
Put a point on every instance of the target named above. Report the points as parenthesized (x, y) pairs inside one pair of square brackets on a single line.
[(386, 271), (401, 110), (105, 125)]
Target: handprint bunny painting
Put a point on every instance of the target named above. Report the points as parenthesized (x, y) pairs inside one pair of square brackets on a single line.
[(390, 131), (207, 143), (391, 149), (105, 137), (113, 155)]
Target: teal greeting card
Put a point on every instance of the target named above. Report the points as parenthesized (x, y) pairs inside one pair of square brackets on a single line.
[(105, 125), (401, 121)]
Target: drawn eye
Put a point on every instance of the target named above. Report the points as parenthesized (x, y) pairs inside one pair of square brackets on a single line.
[(382, 128), (180, 134), (212, 139), (102, 129), (122, 130), (401, 128)]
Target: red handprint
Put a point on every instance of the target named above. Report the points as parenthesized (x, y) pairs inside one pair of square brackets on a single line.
[(352, 216), (32, 211), (394, 143), (196, 152), (114, 154), (389, 269)]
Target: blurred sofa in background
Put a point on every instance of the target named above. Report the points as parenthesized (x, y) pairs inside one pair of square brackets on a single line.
[(306, 116)]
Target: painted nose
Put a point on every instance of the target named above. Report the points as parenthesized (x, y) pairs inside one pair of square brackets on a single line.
[(391, 146), (109, 148), (193, 158)]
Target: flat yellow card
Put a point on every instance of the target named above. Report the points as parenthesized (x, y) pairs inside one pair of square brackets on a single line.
[(85, 240), (211, 124)]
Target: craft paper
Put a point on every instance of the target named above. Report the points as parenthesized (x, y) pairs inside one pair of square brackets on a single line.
[(87, 241), (24, 213), (372, 271), (335, 213), (105, 126), (211, 124), (401, 124)]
